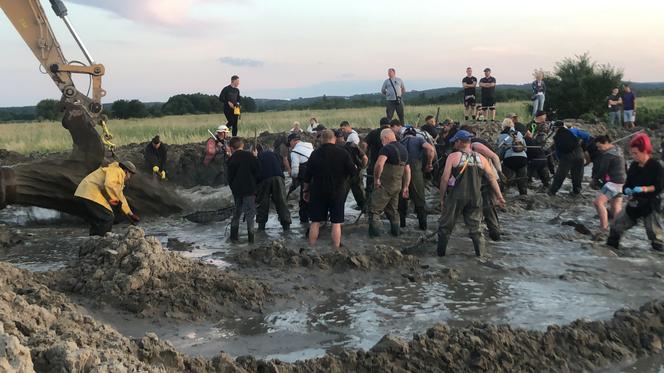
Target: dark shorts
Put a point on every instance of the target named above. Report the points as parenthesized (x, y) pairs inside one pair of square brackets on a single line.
[(469, 101), (321, 207), (488, 103)]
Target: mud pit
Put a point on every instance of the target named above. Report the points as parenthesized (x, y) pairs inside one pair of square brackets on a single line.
[(544, 273)]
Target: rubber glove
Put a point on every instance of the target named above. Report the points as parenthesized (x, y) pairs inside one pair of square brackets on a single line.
[(628, 191), (637, 189), (155, 169), (163, 175)]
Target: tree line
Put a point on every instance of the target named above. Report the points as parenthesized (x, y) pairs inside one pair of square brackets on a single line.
[(576, 88)]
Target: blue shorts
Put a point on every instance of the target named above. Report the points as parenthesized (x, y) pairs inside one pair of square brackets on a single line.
[(629, 116)]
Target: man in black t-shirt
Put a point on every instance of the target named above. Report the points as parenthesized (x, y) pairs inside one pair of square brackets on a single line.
[(391, 179), (469, 83), (329, 168), (373, 147), (488, 85), (230, 97)]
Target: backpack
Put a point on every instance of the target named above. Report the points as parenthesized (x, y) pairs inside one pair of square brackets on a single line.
[(518, 146)]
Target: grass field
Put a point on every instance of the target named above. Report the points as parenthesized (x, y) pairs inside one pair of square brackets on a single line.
[(51, 137)]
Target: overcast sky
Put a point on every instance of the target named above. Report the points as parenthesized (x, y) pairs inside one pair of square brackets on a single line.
[(153, 49)]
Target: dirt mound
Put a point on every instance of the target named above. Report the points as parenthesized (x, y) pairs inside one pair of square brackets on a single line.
[(8, 158), (276, 254), (580, 346), (135, 273), (42, 330)]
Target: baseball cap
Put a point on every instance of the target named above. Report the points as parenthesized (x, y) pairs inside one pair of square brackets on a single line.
[(461, 135), (512, 115), (293, 136), (222, 128), (539, 113)]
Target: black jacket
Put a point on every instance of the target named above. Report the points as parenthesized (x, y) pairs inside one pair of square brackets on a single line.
[(243, 173), (229, 93), (156, 157), (565, 142)]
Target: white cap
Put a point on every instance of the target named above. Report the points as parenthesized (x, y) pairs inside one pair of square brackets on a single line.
[(222, 128)]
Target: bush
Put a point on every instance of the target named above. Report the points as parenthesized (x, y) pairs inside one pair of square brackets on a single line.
[(48, 110), (580, 85)]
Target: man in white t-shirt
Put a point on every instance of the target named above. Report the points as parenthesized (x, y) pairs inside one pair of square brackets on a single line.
[(393, 89)]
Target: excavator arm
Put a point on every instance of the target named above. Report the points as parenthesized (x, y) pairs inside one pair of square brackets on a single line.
[(30, 21)]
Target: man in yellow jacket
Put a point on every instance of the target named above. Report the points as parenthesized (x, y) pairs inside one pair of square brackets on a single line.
[(101, 191)]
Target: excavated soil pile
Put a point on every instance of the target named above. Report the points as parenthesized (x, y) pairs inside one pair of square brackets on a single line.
[(136, 273), (276, 254), (580, 346), (42, 330)]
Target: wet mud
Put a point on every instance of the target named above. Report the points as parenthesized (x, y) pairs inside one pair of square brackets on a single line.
[(544, 298)]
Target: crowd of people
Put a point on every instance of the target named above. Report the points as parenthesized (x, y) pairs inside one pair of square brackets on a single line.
[(393, 166)]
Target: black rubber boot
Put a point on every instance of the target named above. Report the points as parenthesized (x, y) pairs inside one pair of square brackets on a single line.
[(494, 236), (261, 226), (250, 237), (441, 247), (613, 240), (478, 244), (657, 246), (402, 220), (395, 229), (422, 219), (285, 226), (374, 229), (235, 234)]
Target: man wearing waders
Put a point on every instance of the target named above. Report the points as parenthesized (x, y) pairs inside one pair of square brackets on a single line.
[(391, 179), (460, 192)]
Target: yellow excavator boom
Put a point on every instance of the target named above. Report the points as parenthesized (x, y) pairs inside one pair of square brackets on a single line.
[(30, 21)]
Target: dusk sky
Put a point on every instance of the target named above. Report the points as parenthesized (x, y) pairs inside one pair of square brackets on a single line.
[(153, 49)]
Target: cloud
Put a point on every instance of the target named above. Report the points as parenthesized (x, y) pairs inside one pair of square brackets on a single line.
[(166, 13), (241, 62)]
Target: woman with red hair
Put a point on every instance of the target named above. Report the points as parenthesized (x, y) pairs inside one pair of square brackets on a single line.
[(644, 183)]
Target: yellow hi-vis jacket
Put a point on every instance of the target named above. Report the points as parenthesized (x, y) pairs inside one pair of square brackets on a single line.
[(103, 185)]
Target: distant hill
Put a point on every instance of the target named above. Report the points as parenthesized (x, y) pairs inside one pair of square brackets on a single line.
[(505, 92)]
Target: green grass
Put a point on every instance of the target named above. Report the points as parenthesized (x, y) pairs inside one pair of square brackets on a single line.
[(51, 137)]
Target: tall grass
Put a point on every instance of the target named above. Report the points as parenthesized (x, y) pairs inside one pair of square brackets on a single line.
[(51, 137)]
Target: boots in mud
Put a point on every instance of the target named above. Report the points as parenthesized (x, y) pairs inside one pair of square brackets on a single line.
[(441, 247), (250, 230), (478, 244), (402, 220), (422, 219), (374, 228), (613, 240), (395, 229), (235, 234)]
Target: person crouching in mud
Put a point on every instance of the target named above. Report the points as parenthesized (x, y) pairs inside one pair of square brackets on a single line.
[(643, 186), (101, 192), (460, 192)]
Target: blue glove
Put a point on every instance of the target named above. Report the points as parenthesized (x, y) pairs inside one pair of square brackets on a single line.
[(628, 191), (637, 189)]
